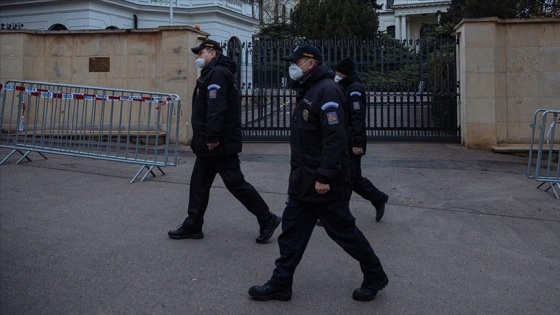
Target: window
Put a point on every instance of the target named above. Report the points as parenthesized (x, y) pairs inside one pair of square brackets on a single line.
[(57, 27), (391, 30)]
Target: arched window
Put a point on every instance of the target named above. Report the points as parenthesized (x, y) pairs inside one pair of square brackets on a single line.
[(58, 27), (234, 52)]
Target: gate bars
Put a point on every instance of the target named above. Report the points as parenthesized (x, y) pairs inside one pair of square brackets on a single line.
[(544, 164), (93, 122), (411, 86)]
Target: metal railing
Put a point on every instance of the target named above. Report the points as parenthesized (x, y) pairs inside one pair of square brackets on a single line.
[(544, 153), (93, 122), (412, 86)]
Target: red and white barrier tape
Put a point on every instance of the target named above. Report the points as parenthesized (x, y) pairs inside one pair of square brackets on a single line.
[(81, 96)]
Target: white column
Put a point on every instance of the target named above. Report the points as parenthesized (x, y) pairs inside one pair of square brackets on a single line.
[(398, 27), (403, 27)]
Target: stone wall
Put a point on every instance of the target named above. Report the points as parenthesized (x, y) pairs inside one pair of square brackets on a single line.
[(157, 60), (507, 70)]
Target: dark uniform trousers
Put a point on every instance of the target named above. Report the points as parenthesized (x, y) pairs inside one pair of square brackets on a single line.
[(361, 185), (298, 222), (203, 175)]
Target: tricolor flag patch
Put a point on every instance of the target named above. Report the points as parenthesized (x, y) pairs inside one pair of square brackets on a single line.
[(213, 91), (212, 94), (332, 118)]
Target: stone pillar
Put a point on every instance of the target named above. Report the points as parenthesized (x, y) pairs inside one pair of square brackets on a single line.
[(507, 70), (478, 84)]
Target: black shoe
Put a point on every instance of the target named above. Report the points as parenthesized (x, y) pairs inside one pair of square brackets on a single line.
[(268, 229), (380, 207), (369, 289), (270, 292), (182, 232), (318, 223)]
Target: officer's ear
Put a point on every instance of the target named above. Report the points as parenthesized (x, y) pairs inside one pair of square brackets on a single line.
[(312, 63)]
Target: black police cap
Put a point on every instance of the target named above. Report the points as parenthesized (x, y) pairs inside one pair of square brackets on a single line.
[(209, 44), (304, 50)]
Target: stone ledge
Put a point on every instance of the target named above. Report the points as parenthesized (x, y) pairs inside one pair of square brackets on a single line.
[(514, 148)]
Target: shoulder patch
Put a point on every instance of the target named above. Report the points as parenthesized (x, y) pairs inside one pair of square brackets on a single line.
[(329, 105), (212, 94), (332, 118), (355, 93), (213, 91)]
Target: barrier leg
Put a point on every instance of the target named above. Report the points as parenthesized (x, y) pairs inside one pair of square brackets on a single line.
[(554, 189), (24, 156), (8, 156), (149, 171)]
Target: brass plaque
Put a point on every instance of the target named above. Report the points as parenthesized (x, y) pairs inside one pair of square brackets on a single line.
[(99, 64)]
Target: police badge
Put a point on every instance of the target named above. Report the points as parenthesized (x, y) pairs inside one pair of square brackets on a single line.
[(305, 114)]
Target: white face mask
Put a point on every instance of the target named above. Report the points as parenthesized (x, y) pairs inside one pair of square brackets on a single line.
[(337, 78), (200, 62), (296, 72)]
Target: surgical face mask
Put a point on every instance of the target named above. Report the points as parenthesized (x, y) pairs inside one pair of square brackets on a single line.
[(200, 62), (295, 71), (337, 78)]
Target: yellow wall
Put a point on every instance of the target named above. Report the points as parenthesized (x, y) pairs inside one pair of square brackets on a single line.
[(157, 60), (507, 70)]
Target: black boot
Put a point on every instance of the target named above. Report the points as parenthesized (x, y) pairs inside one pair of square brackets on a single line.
[(380, 207), (185, 232), (268, 229), (369, 288), (270, 292)]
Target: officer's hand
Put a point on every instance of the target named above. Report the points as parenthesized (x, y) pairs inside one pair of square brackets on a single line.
[(322, 188), (212, 146), (357, 150)]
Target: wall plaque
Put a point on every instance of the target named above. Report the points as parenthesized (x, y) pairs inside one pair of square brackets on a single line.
[(99, 64)]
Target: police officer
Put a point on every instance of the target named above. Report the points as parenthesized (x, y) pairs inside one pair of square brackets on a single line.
[(347, 77), (319, 185), (216, 142)]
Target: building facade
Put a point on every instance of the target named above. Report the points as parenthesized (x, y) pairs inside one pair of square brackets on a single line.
[(224, 20), (408, 19), (403, 19)]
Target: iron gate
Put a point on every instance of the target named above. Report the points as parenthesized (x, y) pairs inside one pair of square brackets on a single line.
[(411, 86)]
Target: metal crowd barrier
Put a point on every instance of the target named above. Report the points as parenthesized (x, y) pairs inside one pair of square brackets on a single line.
[(544, 152), (92, 122)]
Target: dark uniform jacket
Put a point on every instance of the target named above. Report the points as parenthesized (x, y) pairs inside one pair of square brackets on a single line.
[(356, 96), (216, 109), (319, 139)]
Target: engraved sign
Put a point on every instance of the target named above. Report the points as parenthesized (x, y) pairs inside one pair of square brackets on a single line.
[(99, 64)]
